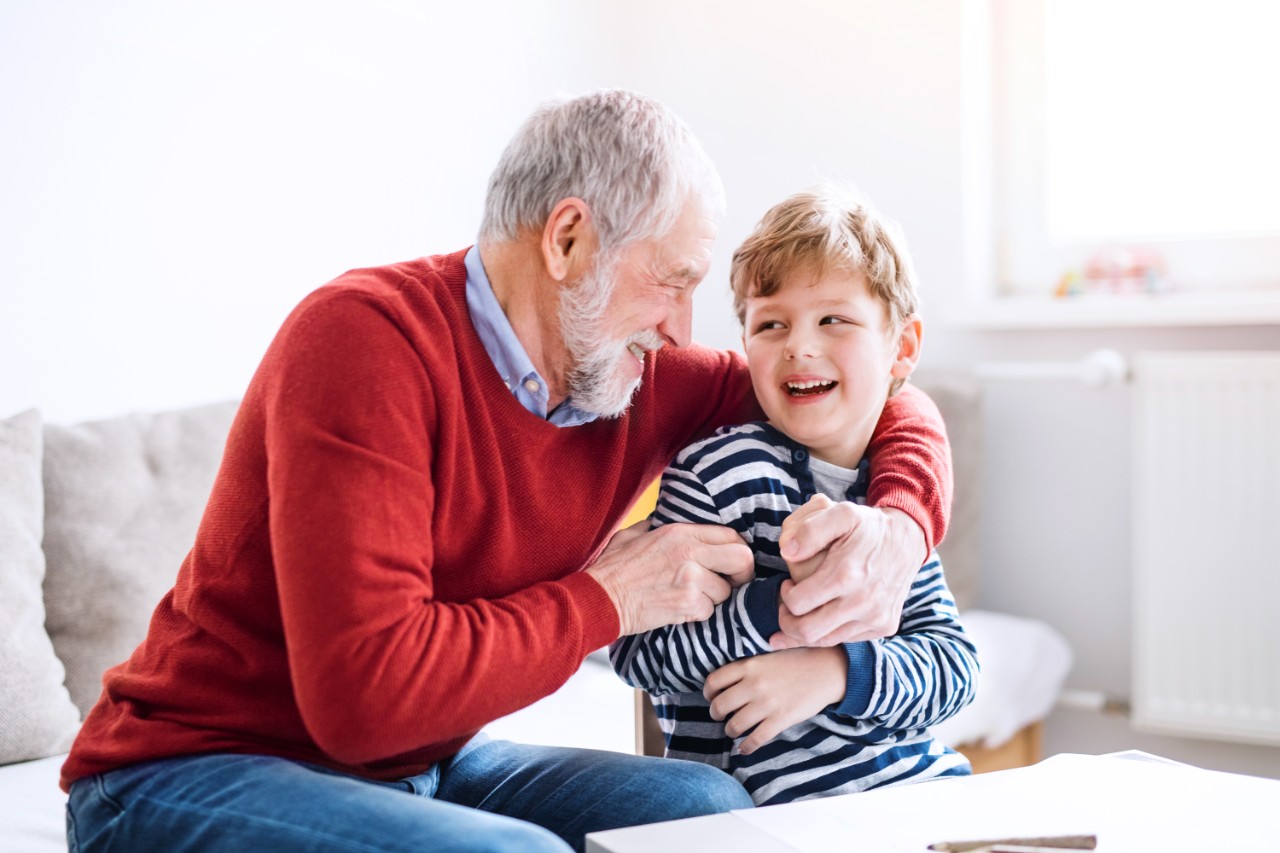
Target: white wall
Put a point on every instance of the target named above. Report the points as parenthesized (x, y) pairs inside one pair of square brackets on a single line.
[(176, 177)]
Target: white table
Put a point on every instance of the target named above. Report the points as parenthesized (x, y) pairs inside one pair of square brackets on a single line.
[(1130, 801)]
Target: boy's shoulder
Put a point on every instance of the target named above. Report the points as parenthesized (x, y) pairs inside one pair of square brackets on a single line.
[(755, 438)]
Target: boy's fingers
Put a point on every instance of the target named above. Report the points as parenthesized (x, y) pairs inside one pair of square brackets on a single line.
[(744, 719), (817, 590), (765, 732), (729, 702), (780, 641), (720, 680)]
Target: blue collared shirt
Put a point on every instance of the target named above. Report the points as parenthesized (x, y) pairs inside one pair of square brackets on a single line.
[(506, 351)]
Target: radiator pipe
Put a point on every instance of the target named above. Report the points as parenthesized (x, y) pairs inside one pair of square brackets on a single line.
[(1098, 369)]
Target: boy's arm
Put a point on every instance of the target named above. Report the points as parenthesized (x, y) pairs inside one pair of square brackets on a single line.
[(873, 552), (678, 658), (922, 675)]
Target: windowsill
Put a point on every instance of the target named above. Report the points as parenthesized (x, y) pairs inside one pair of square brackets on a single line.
[(1260, 308)]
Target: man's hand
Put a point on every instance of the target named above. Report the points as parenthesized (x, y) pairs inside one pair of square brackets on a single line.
[(676, 573), (801, 569), (774, 691), (858, 588)]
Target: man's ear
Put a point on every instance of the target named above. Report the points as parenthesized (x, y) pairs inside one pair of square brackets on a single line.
[(908, 347), (568, 240)]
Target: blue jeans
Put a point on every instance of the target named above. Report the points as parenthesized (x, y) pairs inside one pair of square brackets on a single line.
[(493, 795)]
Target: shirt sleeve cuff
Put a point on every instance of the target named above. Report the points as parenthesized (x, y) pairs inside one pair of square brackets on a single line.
[(861, 680), (762, 605)]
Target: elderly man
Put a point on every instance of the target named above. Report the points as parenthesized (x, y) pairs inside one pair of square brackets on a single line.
[(412, 532)]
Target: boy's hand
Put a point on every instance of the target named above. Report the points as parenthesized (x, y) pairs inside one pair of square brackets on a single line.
[(858, 589), (774, 691), (676, 573)]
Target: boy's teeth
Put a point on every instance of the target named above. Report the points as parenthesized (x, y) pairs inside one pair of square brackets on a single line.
[(637, 351), (811, 386)]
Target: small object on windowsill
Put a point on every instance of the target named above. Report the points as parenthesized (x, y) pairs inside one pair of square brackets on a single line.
[(1019, 845), (1116, 271)]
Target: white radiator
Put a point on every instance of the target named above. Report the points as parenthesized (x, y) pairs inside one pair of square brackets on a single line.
[(1206, 516)]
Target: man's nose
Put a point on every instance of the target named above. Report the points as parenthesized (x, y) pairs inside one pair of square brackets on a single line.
[(677, 327)]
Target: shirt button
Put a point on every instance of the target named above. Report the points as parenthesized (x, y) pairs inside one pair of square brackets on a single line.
[(799, 455), (531, 386)]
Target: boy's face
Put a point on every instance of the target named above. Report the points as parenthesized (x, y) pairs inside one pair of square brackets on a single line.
[(822, 360)]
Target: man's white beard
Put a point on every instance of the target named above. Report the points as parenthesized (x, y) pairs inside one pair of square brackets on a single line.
[(597, 382)]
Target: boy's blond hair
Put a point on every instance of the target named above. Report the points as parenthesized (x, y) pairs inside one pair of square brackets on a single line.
[(819, 230)]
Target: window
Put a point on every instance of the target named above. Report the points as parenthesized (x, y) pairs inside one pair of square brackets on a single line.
[(1135, 146)]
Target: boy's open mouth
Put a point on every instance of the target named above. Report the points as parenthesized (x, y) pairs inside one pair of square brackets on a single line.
[(808, 389)]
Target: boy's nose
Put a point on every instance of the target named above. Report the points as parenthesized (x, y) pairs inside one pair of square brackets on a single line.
[(798, 345)]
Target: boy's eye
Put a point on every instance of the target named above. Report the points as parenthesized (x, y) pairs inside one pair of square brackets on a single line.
[(830, 319), (766, 325)]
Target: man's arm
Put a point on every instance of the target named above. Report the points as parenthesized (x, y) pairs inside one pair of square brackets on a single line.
[(872, 553), (350, 420)]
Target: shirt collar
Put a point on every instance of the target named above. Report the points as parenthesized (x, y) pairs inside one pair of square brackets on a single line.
[(507, 353)]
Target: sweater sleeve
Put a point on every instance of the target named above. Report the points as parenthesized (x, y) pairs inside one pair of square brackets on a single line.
[(379, 666), (911, 463), (923, 674)]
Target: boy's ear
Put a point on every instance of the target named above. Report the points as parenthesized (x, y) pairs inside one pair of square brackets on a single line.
[(908, 347), (568, 240)]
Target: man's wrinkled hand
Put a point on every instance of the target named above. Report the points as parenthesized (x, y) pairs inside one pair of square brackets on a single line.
[(867, 558), (672, 574), (801, 569)]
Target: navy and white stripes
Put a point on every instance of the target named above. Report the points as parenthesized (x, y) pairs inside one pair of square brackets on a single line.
[(751, 478)]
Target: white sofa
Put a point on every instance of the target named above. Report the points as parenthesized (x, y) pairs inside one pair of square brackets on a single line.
[(95, 519)]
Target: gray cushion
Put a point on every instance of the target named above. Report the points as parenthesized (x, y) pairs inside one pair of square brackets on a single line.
[(37, 718), (959, 400), (123, 498)]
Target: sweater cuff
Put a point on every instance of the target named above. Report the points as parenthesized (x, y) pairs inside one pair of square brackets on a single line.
[(861, 680), (928, 519), (600, 624), (761, 601)]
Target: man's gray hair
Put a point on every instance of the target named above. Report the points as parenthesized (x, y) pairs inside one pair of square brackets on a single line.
[(628, 157)]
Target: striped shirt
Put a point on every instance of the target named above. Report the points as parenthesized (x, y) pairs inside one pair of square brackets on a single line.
[(750, 478)]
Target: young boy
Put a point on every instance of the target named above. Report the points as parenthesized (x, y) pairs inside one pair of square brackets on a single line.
[(825, 294)]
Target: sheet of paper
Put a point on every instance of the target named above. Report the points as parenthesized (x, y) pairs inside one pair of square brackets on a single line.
[(1129, 805)]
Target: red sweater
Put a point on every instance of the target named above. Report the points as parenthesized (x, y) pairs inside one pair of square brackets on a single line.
[(390, 556)]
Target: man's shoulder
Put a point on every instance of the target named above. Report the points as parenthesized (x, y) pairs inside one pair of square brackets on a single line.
[(697, 362), (425, 290), (434, 273)]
